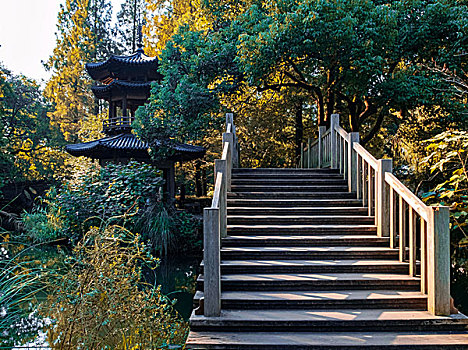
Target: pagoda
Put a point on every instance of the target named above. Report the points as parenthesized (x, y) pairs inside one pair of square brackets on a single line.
[(125, 83)]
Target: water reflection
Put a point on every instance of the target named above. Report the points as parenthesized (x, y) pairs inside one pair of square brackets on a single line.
[(177, 277)]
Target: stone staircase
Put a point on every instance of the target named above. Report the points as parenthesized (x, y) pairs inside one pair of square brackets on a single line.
[(302, 267)]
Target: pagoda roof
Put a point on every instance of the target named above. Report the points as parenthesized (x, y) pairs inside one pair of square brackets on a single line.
[(115, 65), (127, 145), (119, 86)]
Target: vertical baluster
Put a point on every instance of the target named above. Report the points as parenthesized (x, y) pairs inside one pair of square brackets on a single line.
[(393, 218), (402, 230), (412, 241), (365, 183), (345, 158), (423, 256), (340, 159), (358, 176), (376, 193), (370, 195)]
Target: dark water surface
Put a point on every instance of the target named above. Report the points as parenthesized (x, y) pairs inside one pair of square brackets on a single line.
[(177, 277)]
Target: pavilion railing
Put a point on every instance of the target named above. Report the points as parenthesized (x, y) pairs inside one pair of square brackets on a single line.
[(420, 232), (215, 221), (117, 122)]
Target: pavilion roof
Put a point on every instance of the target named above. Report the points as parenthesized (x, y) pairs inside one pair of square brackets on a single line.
[(120, 86), (127, 145), (115, 65)]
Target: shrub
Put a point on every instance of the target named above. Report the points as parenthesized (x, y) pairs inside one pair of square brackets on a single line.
[(101, 302), (448, 162), (47, 222)]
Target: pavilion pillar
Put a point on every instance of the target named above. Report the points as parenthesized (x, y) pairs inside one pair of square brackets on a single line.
[(171, 188), (124, 110)]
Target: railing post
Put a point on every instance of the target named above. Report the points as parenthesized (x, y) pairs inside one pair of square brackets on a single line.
[(229, 137), (309, 154), (383, 198), (322, 130), (438, 264), (302, 155), (334, 121), (235, 145), (220, 167), (211, 261), (353, 137)]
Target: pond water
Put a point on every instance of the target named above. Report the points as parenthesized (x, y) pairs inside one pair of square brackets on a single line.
[(178, 277)]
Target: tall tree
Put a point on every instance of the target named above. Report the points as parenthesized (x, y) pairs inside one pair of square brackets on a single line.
[(164, 18), (130, 16), (29, 144), (359, 57), (83, 36)]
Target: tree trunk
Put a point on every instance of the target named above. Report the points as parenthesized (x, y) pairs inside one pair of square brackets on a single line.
[(198, 181), (299, 129), (204, 186)]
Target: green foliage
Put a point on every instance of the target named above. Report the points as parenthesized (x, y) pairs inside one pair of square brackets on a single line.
[(83, 36), (127, 195), (102, 302), (448, 158), (362, 58), (169, 230), (184, 106), (448, 162), (114, 193), (29, 145), (46, 223), (131, 14)]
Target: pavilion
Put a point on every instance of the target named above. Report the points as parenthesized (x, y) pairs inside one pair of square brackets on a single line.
[(125, 83)]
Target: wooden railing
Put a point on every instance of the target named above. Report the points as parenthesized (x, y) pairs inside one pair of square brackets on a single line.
[(215, 221), (122, 122), (420, 232)]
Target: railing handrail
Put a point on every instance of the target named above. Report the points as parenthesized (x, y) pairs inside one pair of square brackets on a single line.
[(217, 190), (342, 132), (409, 197), (369, 158), (215, 221), (394, 207)]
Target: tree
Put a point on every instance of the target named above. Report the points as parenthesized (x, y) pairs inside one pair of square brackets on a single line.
[(361, 57), (83, 36), (29, 143), (129, 18), (166, 17)]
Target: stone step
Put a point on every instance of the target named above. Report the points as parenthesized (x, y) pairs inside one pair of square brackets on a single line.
[(288, 171), (286, 176), (289, 188), (315, 282), (327, 340), (288, 203), (289, 181), (299, 220), (305, 241), (317, 320), (292, 195), (301, 229), (338, 299), (264, 266), (303, 211), (299, 253)]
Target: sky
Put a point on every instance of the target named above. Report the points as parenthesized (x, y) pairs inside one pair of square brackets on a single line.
[(27, 34)]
